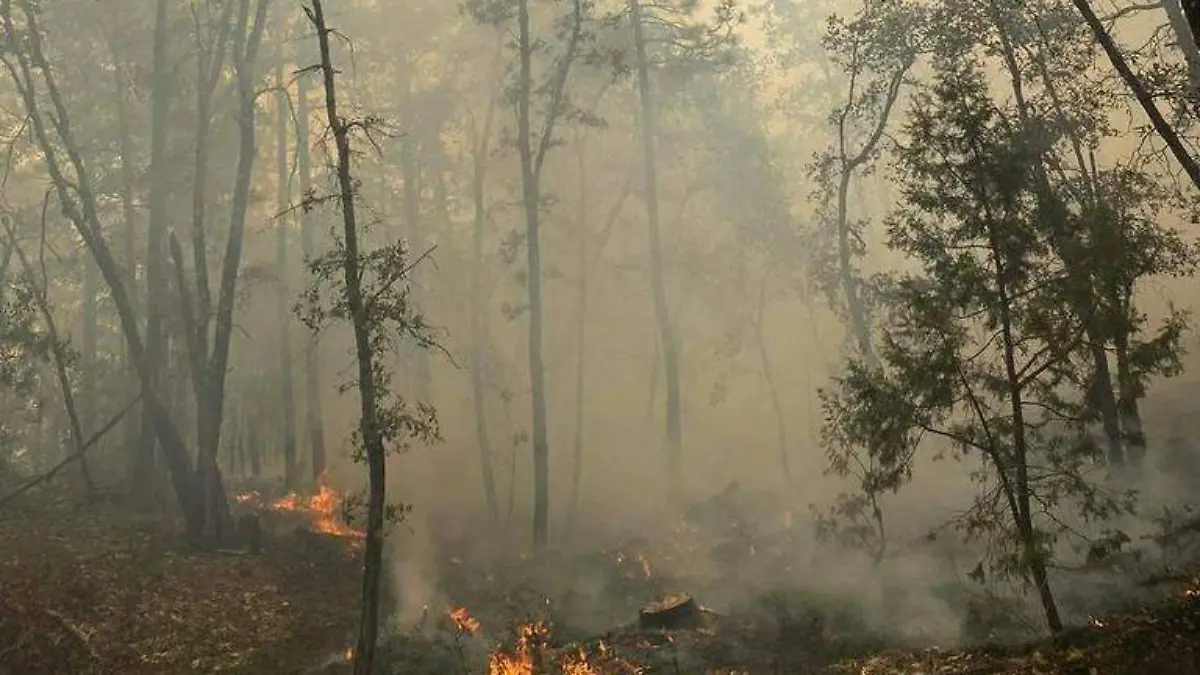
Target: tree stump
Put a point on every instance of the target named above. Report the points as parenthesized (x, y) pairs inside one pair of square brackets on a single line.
[(673, 612)]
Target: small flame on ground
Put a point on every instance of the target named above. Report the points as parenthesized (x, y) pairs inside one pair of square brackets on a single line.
[(463, 620), (519, 661), (322, 508)]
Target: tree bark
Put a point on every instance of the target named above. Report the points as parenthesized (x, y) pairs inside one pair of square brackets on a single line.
[(531, 199), (287, 400), (314, 423), (78, 201), (364, 657), (156, 249), (1163, 128), (662, 313), (478, 308)]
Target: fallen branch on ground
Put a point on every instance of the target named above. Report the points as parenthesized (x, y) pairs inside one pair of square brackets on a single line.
[(87, 445)]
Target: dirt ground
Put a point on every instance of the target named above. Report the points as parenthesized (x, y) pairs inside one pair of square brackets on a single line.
[(96, 589)]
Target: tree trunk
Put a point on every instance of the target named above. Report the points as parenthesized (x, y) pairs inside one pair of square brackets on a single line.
[(79, 205), (662, 314), (846, 277), (1163, 128), (364, 658), (478, 308), (1017, 484), (581, 262), (769, 375), (211, 392), (287, 399), (411, 170), (156, 243), (1127, 401), (141, 462), (531, 199), (314, 423)]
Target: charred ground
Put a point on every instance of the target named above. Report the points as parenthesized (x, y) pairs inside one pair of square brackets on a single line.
[(94, 588)]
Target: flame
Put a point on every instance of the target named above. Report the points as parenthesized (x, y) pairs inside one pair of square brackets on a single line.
[(463, 620), (347, 654), (519, 661), (322, 508)]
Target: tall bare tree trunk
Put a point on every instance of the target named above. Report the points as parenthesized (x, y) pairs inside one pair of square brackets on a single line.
[(662, 313), (531, 198), (581, 262), (364, 659), (411, 171), (314, 423), (287, 395), (769, 375), (482, 143), (156, 242), (79, 204), (140, 462)]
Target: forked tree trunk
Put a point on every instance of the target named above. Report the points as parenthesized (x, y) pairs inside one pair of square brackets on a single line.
[(79, 205)]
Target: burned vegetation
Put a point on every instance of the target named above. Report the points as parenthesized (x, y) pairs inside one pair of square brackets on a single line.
[(598, 337)]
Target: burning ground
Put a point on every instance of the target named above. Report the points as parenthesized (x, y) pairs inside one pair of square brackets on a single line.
[(97, 590)]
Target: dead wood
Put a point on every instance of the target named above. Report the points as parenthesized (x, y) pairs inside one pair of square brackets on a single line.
[(673, 612), (83, 448)]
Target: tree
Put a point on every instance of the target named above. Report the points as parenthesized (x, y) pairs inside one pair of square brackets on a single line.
[(373, 295), (876, 50), (72, 183), (532, 149), (1144, 98), (979, 339), (287, 388)]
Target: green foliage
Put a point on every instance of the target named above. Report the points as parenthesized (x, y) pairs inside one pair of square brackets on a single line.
[(976, 357), (391, 319)]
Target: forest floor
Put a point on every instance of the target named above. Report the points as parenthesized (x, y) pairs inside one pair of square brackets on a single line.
[(94, 589)]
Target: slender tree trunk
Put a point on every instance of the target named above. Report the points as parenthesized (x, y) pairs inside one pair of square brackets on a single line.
[(1018, 488), (287, 395), (314, 422), (78, 201), (1127, 400), (411, 170), (846, 276), (1163, 128), (58, 352), (769, 375), (581, 262), (670, 349), (156, 243), (478, 309), (1187, 44), (91, 329), (364, 658), (141, 463), (211, 370), (531, 198)]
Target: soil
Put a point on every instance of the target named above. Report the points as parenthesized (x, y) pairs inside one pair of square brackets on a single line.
[(98, 589)]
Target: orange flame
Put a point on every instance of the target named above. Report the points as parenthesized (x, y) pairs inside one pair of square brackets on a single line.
[(323, 509), (463, 620), (520, 660)]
